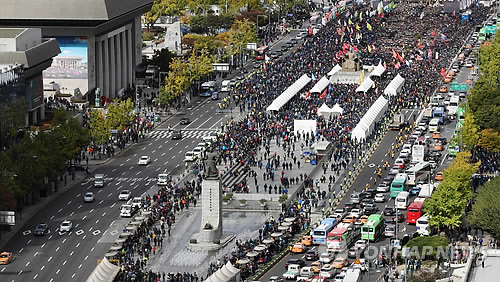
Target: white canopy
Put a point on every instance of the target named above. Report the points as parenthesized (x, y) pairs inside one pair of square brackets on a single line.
[(104, 272), (366, 124), (289, 93), (394, 86), (365, 85), (379, 70), (334, 70), (320, 85), (227, 273), (337, 110), (325, 111)]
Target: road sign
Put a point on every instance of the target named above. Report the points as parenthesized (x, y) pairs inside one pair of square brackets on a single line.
[(491, 29), (357, 261), (458, 87)]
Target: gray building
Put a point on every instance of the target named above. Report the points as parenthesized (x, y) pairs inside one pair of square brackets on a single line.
[(100, 40), (24, 55)]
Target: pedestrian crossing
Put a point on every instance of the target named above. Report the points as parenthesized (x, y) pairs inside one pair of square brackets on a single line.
[(196, 134)]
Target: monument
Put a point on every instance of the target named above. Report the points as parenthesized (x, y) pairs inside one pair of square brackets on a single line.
[(351, 70), (350, 62), (211, 236)]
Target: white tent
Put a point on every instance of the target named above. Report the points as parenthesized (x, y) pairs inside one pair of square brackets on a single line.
[(337, 110), (394, 86), (320, 85), (367, 122), (227, 273), (104, 272), (334, 70), (365, 85), (325, 111), (303, 126), (289, 93), (379, 70)]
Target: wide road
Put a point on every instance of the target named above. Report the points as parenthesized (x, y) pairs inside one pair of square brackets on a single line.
[(367, 174), (72, 256)]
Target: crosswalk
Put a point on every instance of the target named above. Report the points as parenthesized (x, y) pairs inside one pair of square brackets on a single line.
[(196, 134)]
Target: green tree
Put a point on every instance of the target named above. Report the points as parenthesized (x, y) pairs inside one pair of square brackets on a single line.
[(99, 131), (120, 114), (490, 139), (68, 132), (163, 8), (469, 132), (201, 66), (486, 210), (176, 82), (162, 58), (12, 119)]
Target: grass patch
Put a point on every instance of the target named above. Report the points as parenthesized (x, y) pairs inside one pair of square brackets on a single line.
[(427, 247)]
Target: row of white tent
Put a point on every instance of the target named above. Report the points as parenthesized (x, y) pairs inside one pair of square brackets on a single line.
[(367, 122), (227, 273), (288, 94), (327, 112)]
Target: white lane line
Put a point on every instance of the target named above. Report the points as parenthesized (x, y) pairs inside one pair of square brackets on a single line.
[(155, 160), (185, 147), (28, 263), (80, 266), (91, 210), (173, 157), (84, 236), (20, 272), (35, 254), (127, 160), (50, 237), (204, 123), (138, 172), (92, 249), (57, 249), (121, 164), (102, 201), (103, 214), (59, 210), (114, 169), (112, 222), (3, 269), (153, 151), (111, 194), (86, 257), (166, 163), (29, 241), (72, 252), (97, 221), (91, 229), (80, 206), (72, 213), (42, 245), (77, 225), (69, 203), (163, 154), (51, 279), (113, 205), (59, 270), (170, 148), (21, 250), (42, 268), (159, 147), (83, 218), (73, 276), (36, 275), (49, 259), (77, 245), (78, 196), (216, 123), (64, 263), (52, 217)]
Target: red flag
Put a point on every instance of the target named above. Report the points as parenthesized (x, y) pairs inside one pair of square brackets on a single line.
[(434, 33), (264, 66), (419, 45), (308, 94), (323, 95), (443, 72), (355, 49), (399, 57), (394, 55), (310, 30)]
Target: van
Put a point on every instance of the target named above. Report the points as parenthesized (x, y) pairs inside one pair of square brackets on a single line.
[(162, 179), (99, 180), (423, 227), (225, 86), (208, 140), (137, 202), (126, 211), (356, 197), (189, 157), (390, 230), (434, 125), (305, 272), (402, 200)]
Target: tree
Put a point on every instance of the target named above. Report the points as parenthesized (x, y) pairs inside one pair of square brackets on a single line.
[(120, 114), (486, 210), (201, 66), (162, 58), (176, 82), (98, 128), (490, 139), (12, 119), (469, 132), (67, 131), (163, 8)]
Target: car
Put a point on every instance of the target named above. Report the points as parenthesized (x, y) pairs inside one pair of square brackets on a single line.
[(400, 163), (275, 279), (339, 277), (389, 211), (436, 135), (339, 214), (203, 146), (415, 190), (298, 248), (275, 55), (284, 48), (362, 220), (6, 257), (316, 266), (327, 270), (366, 202), (257, 65), (144, 160), (300, 262), (66, 226), (311, 255), (241, 76), (370, 193), (439, 176), (124, 195), (361, 244), (438, 146), (468, 64), (41, 229), (387, 181), (355, 212), (370, 209), (379, 198), (469, 79), (349, 219), (294, 41), (399, 217), (443, 89), (243, 70), (176, 134), (448, 78), (326, 257), (348, 207), (340, 262), (88, 197), (198, 152), (355, 252), (299, 36), (185, 120), (307, 240), (384, 187)]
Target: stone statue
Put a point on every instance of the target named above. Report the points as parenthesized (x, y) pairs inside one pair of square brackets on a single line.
[(211, 167)]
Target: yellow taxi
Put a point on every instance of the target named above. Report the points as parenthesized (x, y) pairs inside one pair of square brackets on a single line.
[(340, 262), (363, 219), (443, 89), (448, 78), (298, 248), (307, 240), (349, 219), (436, 135), (439, 176), (438, 146), (6, 258), (316, 266), (469, 80)]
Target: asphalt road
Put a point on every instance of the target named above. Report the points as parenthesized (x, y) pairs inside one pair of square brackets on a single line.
[(72, 256), (367, 174)]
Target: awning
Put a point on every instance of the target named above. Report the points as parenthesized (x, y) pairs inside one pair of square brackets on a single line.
[(378, 71), (105, 271), (226, 273), (366, 124), (337, 110), (289, 93), (324, 110), (365, 85), (394, 86), (334, 70), (320, 85)]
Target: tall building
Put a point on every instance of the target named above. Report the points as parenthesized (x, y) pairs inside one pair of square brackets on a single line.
[(100, 40), (24, 55)]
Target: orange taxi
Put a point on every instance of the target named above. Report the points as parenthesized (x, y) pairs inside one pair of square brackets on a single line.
[(6, 258), (340, 262), (469, 80), (438, 146), (349, 219), (298, 248), (307, 240), (316, 266), (439, 176), (363, 219), (468, 46), (436, 135), (443, 89), (448, 78)]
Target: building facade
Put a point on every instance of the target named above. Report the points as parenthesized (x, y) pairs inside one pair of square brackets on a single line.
[(100, 40)]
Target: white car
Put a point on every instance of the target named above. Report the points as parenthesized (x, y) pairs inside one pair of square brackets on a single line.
[(208, 140), (383, 188), (356, 212), (327, 270), (203, 146), (379, 198), (339, 277), (66, 226), (468, 64), (124, 195), (339, 213), (189, 157), (198, 151), (361, 244), (326, 257), (88, 197), (144, 160)]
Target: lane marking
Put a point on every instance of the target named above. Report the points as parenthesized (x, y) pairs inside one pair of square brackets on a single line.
[(79, 206), (84, 236), (97, 221), (28, 263), (64, 263), (73, 276), (86, 257), (42, 268), (58, 249), (49, 259), (103, 214), (102, 201), (52, 217), (113, 205), (72, 252), (69, 203), (59, 270), (91, 210), (36, 275), (35, 254), (21, 250), (42, 245), (59, 210), (80, 266)]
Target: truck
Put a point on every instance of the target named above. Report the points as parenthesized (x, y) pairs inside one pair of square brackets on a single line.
[(306, 273), (453, 107), (292, 272), (428, 112), (352, 275), (426, 190), (398, 122)]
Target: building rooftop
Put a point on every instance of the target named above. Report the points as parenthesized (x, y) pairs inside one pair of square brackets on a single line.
[(11, 32)]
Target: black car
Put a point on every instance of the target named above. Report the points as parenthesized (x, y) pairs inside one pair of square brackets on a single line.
[(442, 140), (365, 202), (243, 70), (41, 229), (370, 209), (176, 134), (312, 255), (348, 207), (284, 48), (370, 193), (355, 252), (400, 217), (294, 41), (300, 262), (240, 76), (387, 181), (389, 211), (257, 65), (275, 55), (185, 120)]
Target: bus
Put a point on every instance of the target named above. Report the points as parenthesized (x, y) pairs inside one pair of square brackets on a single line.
[(417, 171), (320, 233), (341, 237), (417, 153), (439, 113), (460, 114), (402, 200), (482, 35), (423, 226), (208, 88), (398, 184), (261, 52), (373, 229), (414, 212)]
